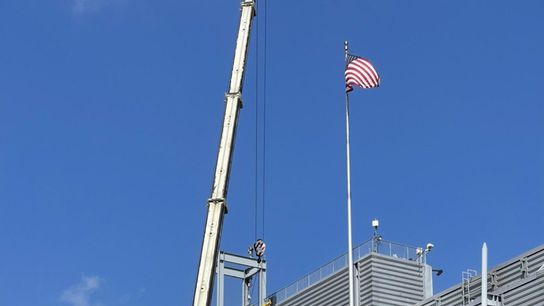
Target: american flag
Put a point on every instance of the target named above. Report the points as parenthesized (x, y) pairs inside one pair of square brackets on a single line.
[(360, 72)]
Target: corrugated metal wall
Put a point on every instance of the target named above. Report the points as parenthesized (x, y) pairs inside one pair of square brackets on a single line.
[(516, 282), (389, 281), (384, 280), (528, 294), (331, 291)]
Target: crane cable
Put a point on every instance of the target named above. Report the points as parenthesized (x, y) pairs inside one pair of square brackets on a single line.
[(264, 112), (256, 207), (263, 157), (262, 131)]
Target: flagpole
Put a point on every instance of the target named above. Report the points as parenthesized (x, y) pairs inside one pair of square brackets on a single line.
[(348, 166)]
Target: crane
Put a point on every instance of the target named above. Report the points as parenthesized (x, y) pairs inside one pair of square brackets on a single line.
[(217, 205)]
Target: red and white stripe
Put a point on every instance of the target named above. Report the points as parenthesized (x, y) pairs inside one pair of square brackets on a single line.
[(360, 72)]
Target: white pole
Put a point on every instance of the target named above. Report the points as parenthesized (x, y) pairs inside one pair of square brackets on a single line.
[(350, 247), (484, 275)]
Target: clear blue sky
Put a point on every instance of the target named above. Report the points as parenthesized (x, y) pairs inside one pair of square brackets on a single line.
[(110, 112)]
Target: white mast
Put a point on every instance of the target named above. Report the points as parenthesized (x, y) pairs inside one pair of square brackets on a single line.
[(484, 275), (348, 166)]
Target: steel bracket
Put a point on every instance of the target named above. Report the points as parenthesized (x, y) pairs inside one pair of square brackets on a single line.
[(219, 201), (235, 95)]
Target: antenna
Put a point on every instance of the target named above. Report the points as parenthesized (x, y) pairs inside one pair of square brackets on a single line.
[(377, 237), (375, 224), (484, 275)]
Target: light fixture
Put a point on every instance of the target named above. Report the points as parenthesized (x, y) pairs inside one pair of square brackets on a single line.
[(438, 271), (375, 224), (429, 247)]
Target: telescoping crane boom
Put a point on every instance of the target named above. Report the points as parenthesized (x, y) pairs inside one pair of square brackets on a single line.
[(217, 205)]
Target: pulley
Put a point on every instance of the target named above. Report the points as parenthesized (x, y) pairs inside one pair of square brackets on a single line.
[(259, 246)]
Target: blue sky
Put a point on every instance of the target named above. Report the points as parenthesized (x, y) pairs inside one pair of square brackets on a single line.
[(110, 112)]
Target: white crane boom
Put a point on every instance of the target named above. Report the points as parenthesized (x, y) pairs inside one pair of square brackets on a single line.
[(217, 205)]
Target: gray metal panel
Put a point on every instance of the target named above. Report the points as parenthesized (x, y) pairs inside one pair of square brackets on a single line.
[(384, 280), (331, 291), (391, 281), (528, 294), (516, 281)]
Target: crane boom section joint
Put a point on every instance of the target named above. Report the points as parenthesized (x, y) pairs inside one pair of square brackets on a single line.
[(219, 201), (234, 95)]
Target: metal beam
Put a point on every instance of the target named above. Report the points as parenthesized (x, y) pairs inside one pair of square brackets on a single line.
[(234, 273), (241, 260), (251, 272)]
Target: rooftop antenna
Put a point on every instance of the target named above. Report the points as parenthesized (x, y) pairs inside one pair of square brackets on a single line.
[(377, 237), (375, 225), (484, 275), (487, 299)]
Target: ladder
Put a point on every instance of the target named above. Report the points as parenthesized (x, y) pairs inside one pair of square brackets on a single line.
[(466, 277)]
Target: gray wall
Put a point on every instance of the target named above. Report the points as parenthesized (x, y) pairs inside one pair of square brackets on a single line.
[(390, 281), (385, 280), (516, 282)]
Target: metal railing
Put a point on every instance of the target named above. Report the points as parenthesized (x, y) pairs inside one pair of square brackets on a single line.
[(382, 247)]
